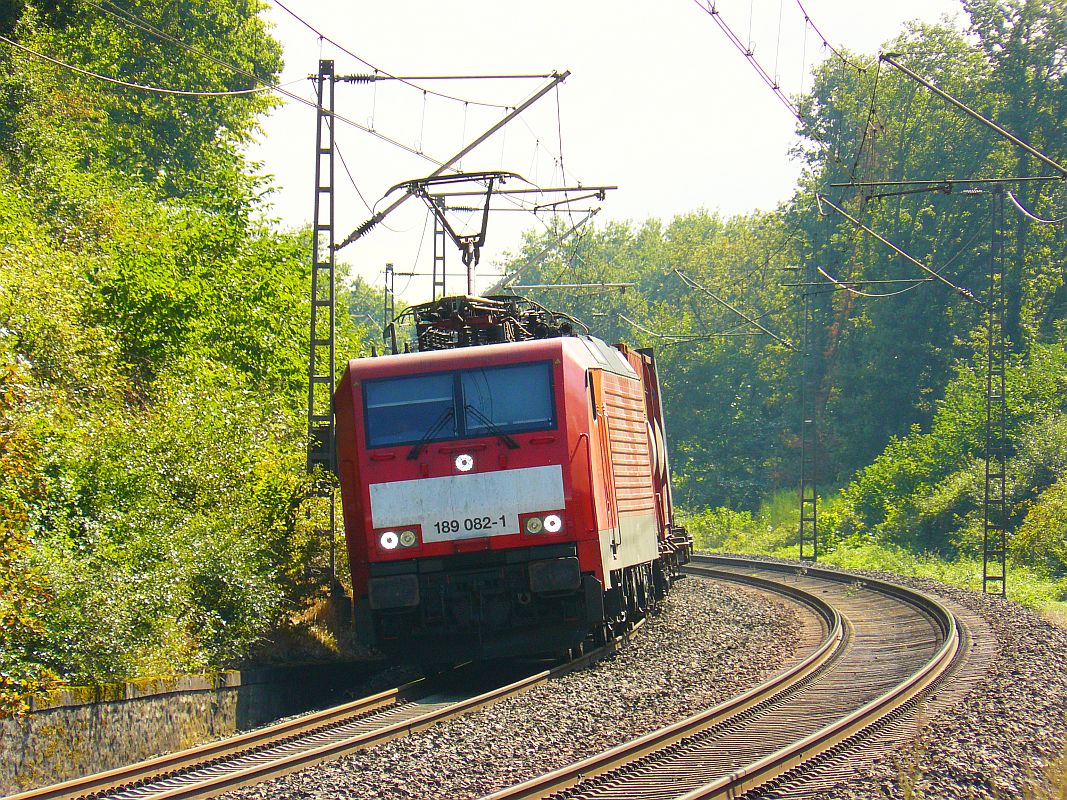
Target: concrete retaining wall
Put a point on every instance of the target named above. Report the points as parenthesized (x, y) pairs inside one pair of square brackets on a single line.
[(73, 732)]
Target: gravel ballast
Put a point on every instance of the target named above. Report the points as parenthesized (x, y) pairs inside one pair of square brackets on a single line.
[(998, 742), (710, 643)]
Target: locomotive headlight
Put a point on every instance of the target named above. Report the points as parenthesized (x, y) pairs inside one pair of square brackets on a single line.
[(534, 525), (408, 538), (389, 540), (553, 523), (464, 462)]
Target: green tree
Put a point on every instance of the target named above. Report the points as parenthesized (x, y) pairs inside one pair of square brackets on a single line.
[(24, 595), (182, 146)]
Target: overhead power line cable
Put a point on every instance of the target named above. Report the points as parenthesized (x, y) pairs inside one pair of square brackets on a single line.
[(689, 281), (382, 76), (132, 19), (841, 56), (961, 291), (510, 278), (708, 6), (889, 59), (377, 217), (843, 285), (946, 184), (442, 167), (671, 340), (140, 86), (351, 178), (388, 76), (867, 127)]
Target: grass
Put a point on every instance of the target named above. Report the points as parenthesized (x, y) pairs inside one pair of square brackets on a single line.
[(772, 531), (1053, 783), (1056, 612)]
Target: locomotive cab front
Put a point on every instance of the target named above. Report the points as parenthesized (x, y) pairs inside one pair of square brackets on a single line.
[(466, 520)]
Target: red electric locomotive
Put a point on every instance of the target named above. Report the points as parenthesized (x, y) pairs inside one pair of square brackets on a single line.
[(508, 497)]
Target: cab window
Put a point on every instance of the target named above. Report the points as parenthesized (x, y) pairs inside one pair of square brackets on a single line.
[(507, 399), (402, 410)]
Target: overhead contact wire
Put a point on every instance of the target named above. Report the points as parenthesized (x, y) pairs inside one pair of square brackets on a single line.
[(960, 290), (746, 51), (859, 293), (131, 19), (867, 126), (404, 80), (351, 178), (676, 338), (736, 311), (132, 85), (809, 21), (1027, 213)]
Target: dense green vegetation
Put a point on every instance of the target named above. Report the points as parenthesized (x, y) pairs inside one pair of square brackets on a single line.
[(900, 378), (153, 335), (153, 346)]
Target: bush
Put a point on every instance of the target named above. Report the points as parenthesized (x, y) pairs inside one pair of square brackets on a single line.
[(1042, 537), (772, 530), (925, 491), (172, 536), (24, 595)]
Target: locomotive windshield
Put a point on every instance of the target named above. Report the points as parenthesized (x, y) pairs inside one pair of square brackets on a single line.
[(454, 405), (400, 410)]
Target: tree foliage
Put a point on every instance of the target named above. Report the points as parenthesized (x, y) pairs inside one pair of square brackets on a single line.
[(730, 409), (153, 337), (897, 356), (179, 146), (24, 597)]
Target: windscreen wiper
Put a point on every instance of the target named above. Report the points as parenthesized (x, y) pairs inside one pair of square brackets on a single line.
[(492, 427), (413, 453)]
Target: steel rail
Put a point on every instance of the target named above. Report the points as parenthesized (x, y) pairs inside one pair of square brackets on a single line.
[(182, 759), (811, 747), (784, 761), (138, 778), (832, 644)]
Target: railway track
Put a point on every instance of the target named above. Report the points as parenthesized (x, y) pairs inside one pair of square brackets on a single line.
[(872, 651), (883, 648), (212, 769)]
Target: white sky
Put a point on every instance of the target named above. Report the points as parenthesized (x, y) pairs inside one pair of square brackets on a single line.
[(659, 102)]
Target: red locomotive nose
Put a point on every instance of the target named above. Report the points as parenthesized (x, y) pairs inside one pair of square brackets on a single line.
[(503, 498)]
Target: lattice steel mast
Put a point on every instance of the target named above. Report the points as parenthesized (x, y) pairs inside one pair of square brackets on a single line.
[(809, 439), (994, 528), (321, 354), (388, 298), (440, 249)]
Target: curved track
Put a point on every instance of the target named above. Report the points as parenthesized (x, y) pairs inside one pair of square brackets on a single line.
[(872, 651), (269, 752), (883, 646)]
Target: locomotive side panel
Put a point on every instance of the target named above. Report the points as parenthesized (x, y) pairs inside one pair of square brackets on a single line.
[(629, 533), (675, 542), (644, 364)]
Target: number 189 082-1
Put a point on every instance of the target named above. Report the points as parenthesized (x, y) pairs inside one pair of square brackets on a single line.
[(469, 524)]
